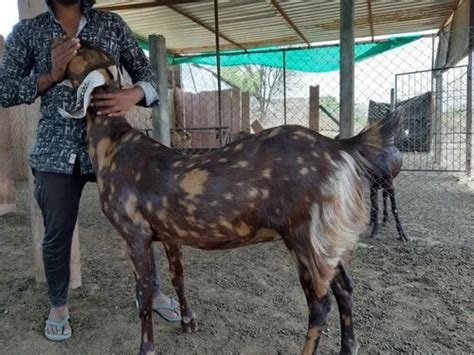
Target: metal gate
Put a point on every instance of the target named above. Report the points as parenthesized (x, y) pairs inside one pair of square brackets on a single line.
[(434, 117)]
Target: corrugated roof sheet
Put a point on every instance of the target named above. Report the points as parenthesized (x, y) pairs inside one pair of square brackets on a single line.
[(254, 23)]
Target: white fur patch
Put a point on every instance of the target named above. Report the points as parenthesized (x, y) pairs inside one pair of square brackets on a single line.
[(337, 223)]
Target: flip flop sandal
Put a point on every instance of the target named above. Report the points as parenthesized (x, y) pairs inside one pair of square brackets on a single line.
[(58, 324), (172, 306)]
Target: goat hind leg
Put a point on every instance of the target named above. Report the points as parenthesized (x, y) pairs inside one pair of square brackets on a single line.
[(342, 289), (401, 232), (385, 210), (374, 211), (175, 259), (318, 305), (319, 308)]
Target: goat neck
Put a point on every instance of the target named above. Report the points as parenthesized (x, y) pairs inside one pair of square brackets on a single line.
[(104, 132)]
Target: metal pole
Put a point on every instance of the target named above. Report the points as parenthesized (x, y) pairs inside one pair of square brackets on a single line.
[(160, 114), (469, 94), (346, 96), (284, 86), (218, 59)]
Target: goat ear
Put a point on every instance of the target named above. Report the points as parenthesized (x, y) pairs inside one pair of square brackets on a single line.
[(116, 74)]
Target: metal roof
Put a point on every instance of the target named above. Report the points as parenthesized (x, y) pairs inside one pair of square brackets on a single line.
[(188, 26)]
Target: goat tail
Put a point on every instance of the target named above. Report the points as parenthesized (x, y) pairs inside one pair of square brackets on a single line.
[(366, 145), (338, 220)]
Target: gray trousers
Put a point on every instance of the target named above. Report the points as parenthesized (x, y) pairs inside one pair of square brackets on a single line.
[(58, 197)]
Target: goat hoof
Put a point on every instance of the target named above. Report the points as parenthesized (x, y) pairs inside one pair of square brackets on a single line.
[(349, 348), (403, 237), (189, 325), (147, 349)]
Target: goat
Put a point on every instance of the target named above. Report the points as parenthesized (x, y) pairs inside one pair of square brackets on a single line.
[(388, 164), (285, 183)]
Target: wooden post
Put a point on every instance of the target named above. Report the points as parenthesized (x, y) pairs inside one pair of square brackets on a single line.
[(245, 112), (346, 99), (227, 107), (28, 9), (235, 125), (178, 108), (314, 108), (7, 184), (160, 115), (256, 126)]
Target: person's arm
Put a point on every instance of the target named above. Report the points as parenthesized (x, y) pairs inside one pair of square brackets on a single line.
[(17, 85), (136, 64), (61, 55)]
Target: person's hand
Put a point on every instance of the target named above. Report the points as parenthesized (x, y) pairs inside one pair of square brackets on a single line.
[(116, 104), (61, 55)]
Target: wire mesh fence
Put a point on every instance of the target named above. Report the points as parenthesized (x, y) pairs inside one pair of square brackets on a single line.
[(433, 105)]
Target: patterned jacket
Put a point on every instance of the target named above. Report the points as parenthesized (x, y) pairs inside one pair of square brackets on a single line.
[(60, 141)]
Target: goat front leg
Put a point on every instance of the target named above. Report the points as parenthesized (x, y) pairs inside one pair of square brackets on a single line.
[(401, 233), (342, 288), (175, 259), (374, 211), (139, 251)]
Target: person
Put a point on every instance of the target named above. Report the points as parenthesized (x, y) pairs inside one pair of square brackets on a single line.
[(59, 159)]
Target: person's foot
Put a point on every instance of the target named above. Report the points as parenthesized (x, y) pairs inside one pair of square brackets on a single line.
[(57, 327), (166, 307)]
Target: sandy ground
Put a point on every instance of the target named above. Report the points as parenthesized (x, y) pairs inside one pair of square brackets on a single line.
[(414, 297)]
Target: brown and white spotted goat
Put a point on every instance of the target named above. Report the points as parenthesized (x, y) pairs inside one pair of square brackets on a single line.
[(285, 183)]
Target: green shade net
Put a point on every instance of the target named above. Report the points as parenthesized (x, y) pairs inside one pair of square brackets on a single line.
[(313, 60)]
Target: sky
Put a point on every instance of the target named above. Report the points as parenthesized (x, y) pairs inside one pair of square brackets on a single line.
[(8, 16)]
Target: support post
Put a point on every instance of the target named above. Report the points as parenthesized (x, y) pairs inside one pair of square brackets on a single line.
[(437, 132), (161, 114), (28, 9), (284, 87), (346, 99), (470, 83), (7, 184), (218, 60), (314, 108)]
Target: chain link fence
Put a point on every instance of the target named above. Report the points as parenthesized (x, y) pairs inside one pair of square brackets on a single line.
[(433, 105)]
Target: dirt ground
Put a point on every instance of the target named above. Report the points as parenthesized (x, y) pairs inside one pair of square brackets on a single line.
[(414, 297)]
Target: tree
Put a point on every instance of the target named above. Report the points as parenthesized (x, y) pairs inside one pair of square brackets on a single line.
[(259, 81)]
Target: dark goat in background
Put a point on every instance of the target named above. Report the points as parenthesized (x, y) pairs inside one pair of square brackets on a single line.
[(387, 166)]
